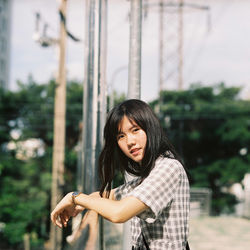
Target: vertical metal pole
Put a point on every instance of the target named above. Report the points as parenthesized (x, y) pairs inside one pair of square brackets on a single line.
[(161, 46), (59, 133), (111, 86), (5, 33), (103, 77), (94, 101), (134, 71), (161, 53), (134, 80), (103, 95), (90, 105), (80, 180), (180, 49), (85, 86)]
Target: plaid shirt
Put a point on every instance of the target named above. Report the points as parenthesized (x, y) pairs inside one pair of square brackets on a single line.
[(166, 192)]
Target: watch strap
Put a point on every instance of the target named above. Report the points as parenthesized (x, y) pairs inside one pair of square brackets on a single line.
[(74, 195)]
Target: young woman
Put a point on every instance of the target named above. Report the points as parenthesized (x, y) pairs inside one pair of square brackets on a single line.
[(157, 200)]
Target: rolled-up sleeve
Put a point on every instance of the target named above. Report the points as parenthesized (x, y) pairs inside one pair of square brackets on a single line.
[(159, 188)]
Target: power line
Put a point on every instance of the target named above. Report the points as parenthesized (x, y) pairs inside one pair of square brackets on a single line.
[(171, 39)]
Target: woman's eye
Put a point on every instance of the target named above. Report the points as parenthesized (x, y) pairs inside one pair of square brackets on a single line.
[(135, 129), (120, 137)]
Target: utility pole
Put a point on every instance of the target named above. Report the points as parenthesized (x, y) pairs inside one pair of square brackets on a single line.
[(59, 114), (59, 132), (134, 81)]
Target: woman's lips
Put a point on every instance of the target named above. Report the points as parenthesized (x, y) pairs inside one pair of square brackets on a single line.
[(135, 151)]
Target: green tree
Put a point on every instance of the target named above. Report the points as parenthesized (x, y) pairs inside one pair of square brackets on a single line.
[(9, 113), (25, 182), (210, 126)]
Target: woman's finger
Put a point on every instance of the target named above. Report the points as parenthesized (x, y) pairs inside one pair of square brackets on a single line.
[(65, 218), (62, 219), (62, 212), (58, 221), (55, 219)]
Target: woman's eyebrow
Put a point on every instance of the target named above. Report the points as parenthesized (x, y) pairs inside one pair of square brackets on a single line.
[(130, 128), (119, 131), (133, 126)]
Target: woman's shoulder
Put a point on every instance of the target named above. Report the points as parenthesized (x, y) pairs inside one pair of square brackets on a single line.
[(166, 159), (169, 162)]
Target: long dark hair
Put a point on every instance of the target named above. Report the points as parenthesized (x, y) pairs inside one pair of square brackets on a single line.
[(112, 158)]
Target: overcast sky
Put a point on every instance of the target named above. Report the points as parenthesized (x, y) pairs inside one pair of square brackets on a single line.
[(210, 56)]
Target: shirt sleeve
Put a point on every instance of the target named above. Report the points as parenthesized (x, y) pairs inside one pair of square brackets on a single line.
[(159, 188)]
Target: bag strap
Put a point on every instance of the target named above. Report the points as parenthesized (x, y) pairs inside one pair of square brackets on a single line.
[(145, 242)]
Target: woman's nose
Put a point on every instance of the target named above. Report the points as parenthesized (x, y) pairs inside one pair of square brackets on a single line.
[(130, 140)]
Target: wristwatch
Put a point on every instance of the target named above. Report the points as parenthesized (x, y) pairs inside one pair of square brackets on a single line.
[(74, 195)]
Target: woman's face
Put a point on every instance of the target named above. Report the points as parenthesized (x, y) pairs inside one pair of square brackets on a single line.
[(131, 140)]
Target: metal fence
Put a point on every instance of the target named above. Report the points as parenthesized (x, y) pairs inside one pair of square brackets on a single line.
[(200, 202)]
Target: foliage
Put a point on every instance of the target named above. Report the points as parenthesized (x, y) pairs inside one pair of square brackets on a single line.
[(209, 126), (9, 114), (24, 197), (25, 182)]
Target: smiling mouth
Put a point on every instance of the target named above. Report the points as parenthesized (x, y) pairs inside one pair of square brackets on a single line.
[(135, 151)]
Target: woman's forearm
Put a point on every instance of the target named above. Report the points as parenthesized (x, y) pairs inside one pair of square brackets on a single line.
[(111, 195), (112, 210), (105, 207)]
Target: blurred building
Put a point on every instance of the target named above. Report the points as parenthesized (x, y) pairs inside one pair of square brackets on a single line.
[(5, 18)]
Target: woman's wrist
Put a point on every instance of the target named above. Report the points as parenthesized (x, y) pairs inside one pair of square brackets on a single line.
[(74, 195)]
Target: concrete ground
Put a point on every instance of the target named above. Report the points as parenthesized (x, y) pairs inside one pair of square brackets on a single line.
[(219, 233), (208, 233)]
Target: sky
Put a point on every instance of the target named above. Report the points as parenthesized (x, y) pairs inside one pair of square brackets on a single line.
[(218, 54)]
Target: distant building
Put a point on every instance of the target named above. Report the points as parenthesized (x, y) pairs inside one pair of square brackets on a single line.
[(5, 18)]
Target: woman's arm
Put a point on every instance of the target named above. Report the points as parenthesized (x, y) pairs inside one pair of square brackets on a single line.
[(111, 195), (112, 210)]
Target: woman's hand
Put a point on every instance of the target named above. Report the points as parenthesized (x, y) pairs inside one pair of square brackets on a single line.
[(64, 210)]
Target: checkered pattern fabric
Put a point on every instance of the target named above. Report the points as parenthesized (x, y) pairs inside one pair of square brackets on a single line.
[(166, 192)]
